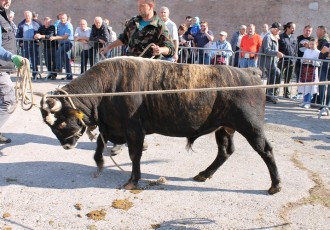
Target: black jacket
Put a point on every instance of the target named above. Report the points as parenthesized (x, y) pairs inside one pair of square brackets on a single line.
[(8, 38), (101, 33), (287, 45)]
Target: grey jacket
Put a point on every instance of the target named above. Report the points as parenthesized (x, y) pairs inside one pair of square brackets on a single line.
[(270, 49)]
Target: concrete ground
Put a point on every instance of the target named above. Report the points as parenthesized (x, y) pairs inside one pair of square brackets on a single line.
[(43, 186)]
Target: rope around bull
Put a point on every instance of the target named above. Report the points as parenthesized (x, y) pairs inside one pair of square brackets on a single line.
[(174, 91)]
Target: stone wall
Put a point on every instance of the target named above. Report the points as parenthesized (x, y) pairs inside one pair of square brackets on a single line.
[(221, 15)]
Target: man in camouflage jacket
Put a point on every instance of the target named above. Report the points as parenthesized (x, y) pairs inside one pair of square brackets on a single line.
[(142, 30)]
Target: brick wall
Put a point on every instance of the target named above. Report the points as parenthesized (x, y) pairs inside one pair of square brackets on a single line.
[(221, 14)]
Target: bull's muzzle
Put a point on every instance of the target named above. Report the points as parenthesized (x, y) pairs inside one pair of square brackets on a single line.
[(68, 146)]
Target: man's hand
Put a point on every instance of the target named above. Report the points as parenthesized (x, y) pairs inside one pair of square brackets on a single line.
[(104, 50), (37, 36), (175, 57), (280, 55), (17, 60), (156, 50), (190, 37)]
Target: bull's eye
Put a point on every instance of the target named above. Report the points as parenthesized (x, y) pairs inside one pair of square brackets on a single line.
[(62, 125)]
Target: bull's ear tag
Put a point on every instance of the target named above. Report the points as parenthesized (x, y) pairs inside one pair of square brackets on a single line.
[(79, 115)]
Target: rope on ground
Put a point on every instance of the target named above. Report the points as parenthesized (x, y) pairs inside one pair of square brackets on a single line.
[(172, 91), (24, 86)]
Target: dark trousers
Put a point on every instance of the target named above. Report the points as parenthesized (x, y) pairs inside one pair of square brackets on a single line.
[(30, 50), (286, 66), (85, 56), (273, 77), (324, 76), (236, 57), (49, 55)]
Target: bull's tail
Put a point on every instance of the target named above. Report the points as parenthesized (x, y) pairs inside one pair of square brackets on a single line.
[(190, 142)]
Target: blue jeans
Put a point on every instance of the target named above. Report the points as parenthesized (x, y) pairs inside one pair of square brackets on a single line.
[(324, 76), (247, 62), (63, 55), (308, 98), (30, 50)]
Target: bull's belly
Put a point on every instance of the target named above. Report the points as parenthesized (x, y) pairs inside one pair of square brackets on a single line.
[(182, 127)]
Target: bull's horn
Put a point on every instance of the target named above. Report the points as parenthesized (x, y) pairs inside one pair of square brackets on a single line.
[(39, 94), (53, 104), (57, 106)]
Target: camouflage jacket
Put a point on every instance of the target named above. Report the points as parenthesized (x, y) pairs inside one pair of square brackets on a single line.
[(137, 40)]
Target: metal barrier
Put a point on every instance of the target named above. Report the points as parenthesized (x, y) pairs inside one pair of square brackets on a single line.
[(51, 58), (291, 69), (60, 57)]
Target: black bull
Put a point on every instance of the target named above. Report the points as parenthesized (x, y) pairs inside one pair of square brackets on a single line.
[(127, 119)]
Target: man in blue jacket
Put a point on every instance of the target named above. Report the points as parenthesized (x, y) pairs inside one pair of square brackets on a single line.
[(7, 92)]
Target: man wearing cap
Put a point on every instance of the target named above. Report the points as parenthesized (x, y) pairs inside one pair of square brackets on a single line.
[(223, 52), (268, 62), (44, 33), (7, 54)]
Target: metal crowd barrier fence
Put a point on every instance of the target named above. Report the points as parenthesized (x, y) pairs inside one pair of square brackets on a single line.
[(52, 58), (288, 70), (64, 58)]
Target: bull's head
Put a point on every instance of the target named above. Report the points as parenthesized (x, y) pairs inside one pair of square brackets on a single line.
[(66, 123)]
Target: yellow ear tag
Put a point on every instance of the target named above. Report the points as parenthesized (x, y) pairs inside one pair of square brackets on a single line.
[(79, 115)]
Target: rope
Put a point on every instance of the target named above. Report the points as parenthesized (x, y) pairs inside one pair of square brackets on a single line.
[(145, 50), (113, 160), (172, 91), (23, 85)]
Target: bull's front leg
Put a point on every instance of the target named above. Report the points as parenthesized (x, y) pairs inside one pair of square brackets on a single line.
[(98, 156), (135, 138)]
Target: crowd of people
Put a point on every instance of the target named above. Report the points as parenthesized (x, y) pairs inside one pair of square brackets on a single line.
[(276, 51), (58, 39), (280, 55)]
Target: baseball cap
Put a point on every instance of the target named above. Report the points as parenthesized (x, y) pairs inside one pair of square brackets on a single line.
[(223, 33), (276, 25)]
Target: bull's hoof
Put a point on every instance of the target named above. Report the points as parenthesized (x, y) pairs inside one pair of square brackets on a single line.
[(200, 178), (100, 165), (130, 186), (274, 189), (97, 173)]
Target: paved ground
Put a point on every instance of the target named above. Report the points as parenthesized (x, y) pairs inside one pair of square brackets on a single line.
[(43, 186)]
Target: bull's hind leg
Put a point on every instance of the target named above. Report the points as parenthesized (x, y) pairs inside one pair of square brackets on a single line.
[(224, 138), (256, 138), (135, 137)]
